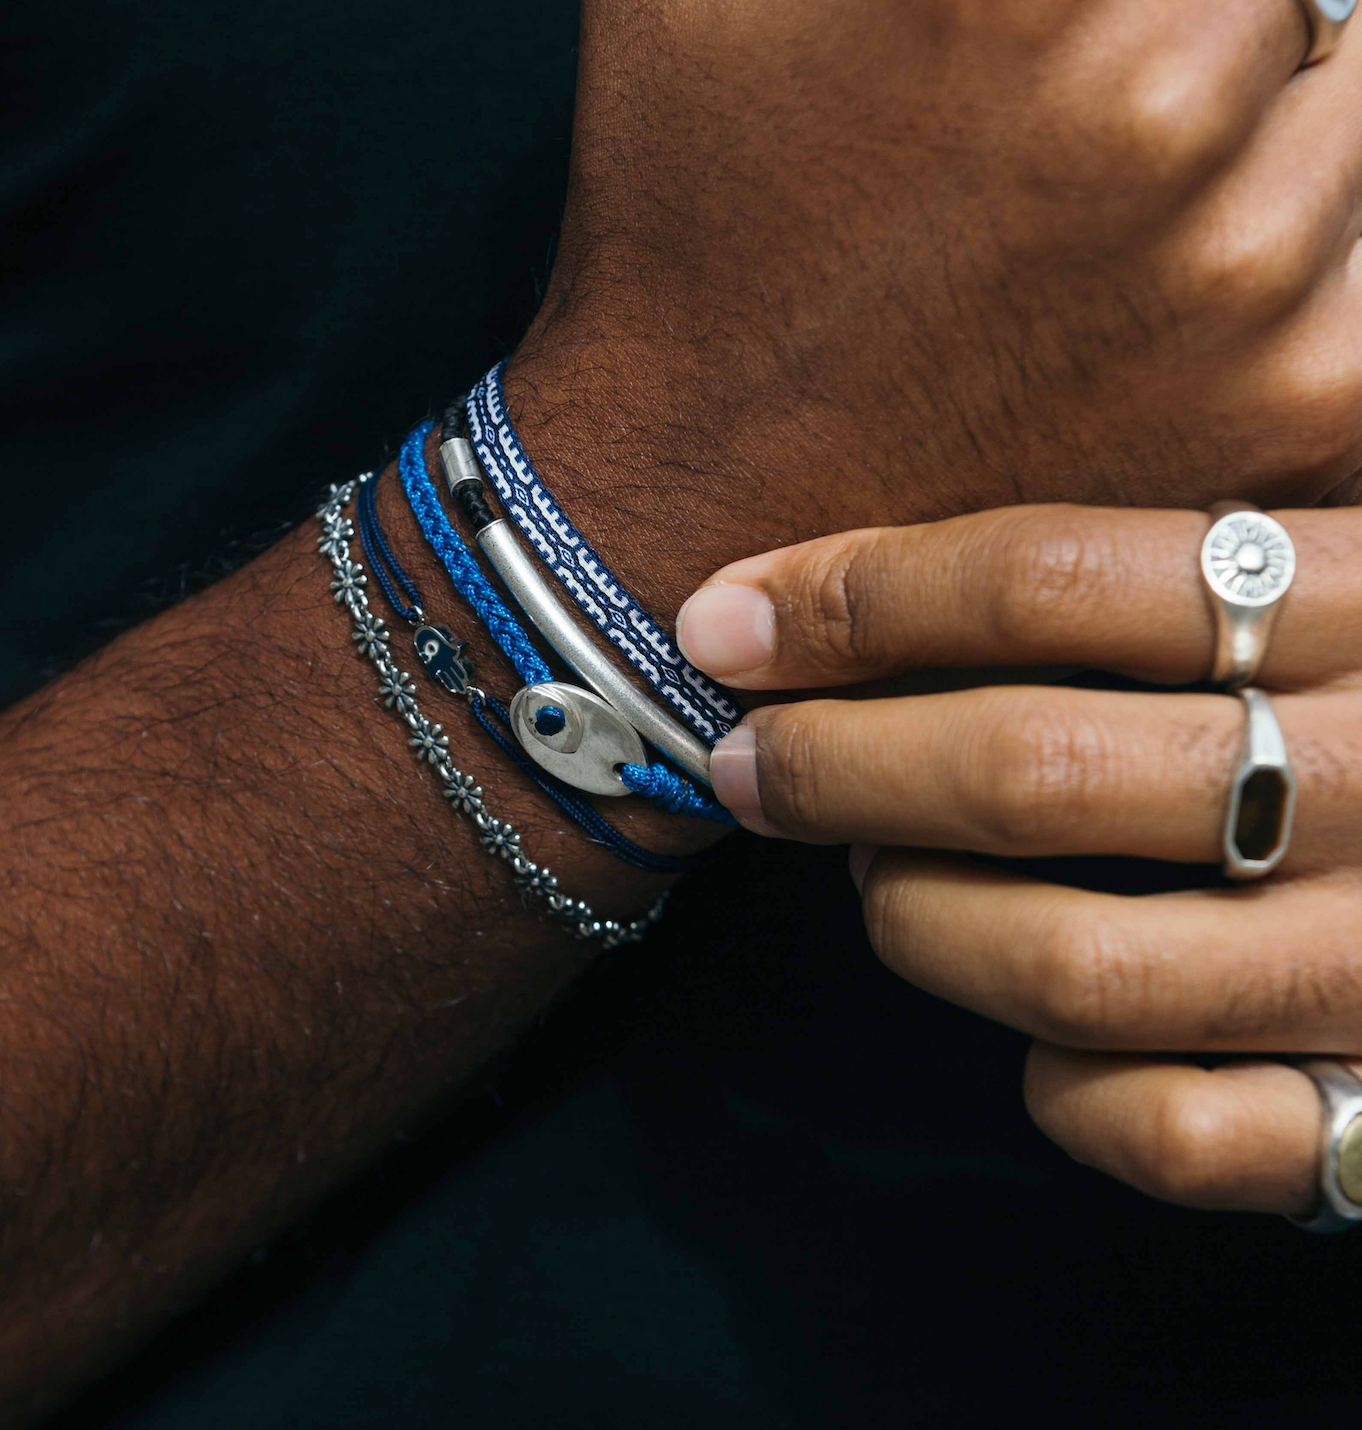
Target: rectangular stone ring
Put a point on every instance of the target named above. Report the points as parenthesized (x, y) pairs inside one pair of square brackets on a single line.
[(1262, 800)]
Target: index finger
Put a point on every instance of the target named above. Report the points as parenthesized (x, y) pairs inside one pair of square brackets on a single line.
[(1115, 589)]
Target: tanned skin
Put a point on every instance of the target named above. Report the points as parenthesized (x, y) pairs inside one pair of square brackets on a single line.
[(823, 266)]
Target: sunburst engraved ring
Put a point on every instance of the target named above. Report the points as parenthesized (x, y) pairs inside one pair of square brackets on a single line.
[(1248, 564)]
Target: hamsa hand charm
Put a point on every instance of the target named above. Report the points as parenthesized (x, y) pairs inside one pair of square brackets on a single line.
[(444, 658)]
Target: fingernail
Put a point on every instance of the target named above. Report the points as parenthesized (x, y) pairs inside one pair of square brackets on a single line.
[(733, 773), (723, 630), (859, 861)]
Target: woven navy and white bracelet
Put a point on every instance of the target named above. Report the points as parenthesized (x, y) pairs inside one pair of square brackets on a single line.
[(710, 711)]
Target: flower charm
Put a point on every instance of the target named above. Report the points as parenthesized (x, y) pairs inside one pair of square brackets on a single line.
[(429, 742), (371, 635), (464, 793), (499, 838), (536, 877), (336, 533), (349, 583), (397, 690)]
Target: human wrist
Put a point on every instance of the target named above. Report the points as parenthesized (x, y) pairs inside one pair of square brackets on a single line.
[(666, 480)]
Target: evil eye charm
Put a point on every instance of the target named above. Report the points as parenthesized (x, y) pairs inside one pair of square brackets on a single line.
[(444, 658), (576, 736)]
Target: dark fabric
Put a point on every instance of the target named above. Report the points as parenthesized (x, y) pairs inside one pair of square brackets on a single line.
[(743, 1177)]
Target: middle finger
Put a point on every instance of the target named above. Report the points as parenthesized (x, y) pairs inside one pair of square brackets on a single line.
[(1038, 771)]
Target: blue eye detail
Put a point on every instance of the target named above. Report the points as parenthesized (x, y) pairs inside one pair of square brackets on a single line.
[(549, 720)]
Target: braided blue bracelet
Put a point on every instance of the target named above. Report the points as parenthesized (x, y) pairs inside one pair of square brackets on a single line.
[(710, 711), (392, 575), (458, 560), (658, 783)]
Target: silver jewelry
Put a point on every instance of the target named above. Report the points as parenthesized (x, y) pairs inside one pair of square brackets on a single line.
[(1247, 563), (1326, 19), (576, 736), (1262, 802), (430, 744), (548, 615), (1340, 1146)]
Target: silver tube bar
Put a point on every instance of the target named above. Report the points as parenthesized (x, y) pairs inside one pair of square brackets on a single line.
[(532, 593)]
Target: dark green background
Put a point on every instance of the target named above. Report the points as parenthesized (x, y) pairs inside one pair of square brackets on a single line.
[(743, 1177)]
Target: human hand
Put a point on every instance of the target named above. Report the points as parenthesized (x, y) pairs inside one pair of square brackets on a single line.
[(1113, 987), (830, 265)]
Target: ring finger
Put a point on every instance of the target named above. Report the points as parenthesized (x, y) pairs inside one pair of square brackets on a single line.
[(1273, 969)]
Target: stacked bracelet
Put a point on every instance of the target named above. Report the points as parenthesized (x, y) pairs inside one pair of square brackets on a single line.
[(445, 663), (590, 743), (709, 711), (430, 744)]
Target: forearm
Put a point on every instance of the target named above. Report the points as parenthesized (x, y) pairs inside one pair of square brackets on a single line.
[(244, 940)]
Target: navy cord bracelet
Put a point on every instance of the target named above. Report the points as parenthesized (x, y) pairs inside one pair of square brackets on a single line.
[(708, 709), (380, 556), (391, 576)]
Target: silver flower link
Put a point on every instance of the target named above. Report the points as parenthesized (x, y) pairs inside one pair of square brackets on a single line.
[(429, 741), (336, 531), (371, 635), (350, 579), (431, 744), (499, 838), (397, 689), (464, 793)]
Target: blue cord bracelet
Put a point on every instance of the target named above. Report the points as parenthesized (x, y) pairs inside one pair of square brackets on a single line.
[(379, 554), (576, 808), (658, 783), (391, 576)]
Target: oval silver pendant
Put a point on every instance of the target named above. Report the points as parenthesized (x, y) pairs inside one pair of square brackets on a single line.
[(576, 736)]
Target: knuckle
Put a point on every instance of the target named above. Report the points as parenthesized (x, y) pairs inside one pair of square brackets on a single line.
[(792, 769), (891, 924), (1169, 120), (1252, 270), (1184, 1159), (1040, 774), (835, 607), (1045, 1109), (1077, 986), (1044, 564), (1319, 402)]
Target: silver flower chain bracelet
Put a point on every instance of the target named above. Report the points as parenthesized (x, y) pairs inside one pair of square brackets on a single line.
[(430, 744)]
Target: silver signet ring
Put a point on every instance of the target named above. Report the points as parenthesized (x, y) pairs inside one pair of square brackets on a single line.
[(1326, 19), (1340, 1152), (1248, 564), (1262, 801)]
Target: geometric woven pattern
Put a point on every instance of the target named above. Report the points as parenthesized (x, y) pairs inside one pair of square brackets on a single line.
[(704, 705)]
